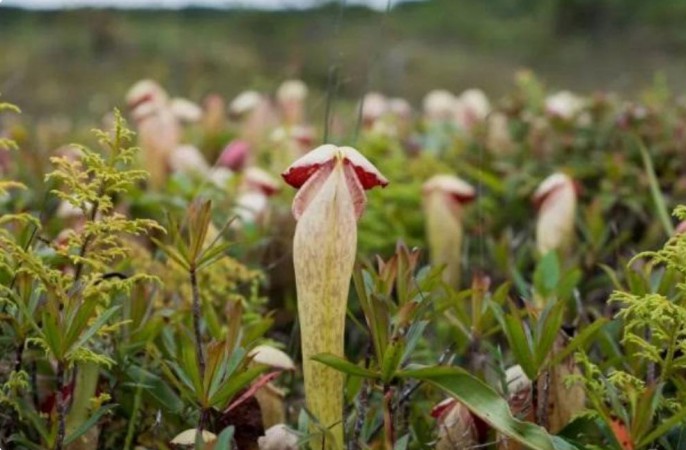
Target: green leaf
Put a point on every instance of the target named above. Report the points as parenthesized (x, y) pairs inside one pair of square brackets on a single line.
[(402, 443), (79, 321), (52, 334), (493, 181), (212, 254), (94, 328), (189, 365), (578, 341), (37, 422), (485, 403), (547, 274), (225, 439), (233, 385), (645, 409), (229, 365), (173, 254), (514, 329), (658, 199), (612, 275), (85, 426), (25, 443), (548, 328), (392, 359), (155, 386), (664, 427), (413, 336), (568, 282), (375, 312), (345, 366), (198, 224)]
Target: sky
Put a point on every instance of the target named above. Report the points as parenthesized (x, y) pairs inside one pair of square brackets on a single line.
[(261, 4)]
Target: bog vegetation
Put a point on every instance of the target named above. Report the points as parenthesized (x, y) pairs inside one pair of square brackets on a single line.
[(463, 273)]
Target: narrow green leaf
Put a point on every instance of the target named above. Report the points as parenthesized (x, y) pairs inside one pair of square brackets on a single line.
[(228, 369), (402, 443), (547, 274), (233, 385), (664, 427), (24, 443), (610, 272), (412, 338), (189, 364), (392, 359), (52, 334), (94, 328), (658, 199), (345, 366), (645, 409), (550, 324), (79, 322), (578, 341), (520, 344), (173, 254), (198, 224), (225, 439), (37, 422), (485, 403), (212, 254), (161, 393), (85, 426), (568, 282)]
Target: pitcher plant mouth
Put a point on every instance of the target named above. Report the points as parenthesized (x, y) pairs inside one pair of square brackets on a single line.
[(309, 172), (454, 188), (554, 183)]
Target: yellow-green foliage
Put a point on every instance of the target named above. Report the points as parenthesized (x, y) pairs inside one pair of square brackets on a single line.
[(648, 389), (60, 296), (5, 145)]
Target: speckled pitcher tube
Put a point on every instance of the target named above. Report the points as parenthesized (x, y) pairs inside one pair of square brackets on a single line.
[(331, 198)]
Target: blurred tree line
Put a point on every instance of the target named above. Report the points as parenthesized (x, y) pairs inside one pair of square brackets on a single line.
[(454, 44)]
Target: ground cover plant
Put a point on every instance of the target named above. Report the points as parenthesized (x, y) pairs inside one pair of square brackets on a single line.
[(462, 273)]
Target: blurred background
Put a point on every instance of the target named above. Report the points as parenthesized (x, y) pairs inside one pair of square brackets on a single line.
[(79, 57)]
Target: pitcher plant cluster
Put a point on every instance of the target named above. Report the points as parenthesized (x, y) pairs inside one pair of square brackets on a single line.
[(470, 274)]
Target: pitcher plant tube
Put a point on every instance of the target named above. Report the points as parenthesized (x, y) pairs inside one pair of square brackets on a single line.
[(555, 198), (444, 200), (331, 198)]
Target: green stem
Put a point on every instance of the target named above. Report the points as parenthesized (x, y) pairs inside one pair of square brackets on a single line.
[(543, 387), (132, 422), (197, 313), (61, 402), (388, 417), (78, 271), (86, 382), (671, 349), (658, 199)]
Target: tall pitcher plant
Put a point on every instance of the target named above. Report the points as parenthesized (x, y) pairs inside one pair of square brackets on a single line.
[(331, 198)]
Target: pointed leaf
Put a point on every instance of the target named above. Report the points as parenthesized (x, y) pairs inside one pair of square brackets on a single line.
[(485, 403), (225, 439), (547, 274), (345, 366), (94, 328), (85, 426), (578, 341)]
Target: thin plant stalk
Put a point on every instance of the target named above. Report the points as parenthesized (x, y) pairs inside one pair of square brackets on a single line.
[(198, 340), (61, 402)]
